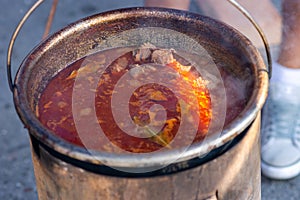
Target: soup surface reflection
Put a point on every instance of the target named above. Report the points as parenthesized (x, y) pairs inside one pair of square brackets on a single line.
[(140, 100)]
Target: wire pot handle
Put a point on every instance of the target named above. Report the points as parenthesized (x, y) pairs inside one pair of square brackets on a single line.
[(39, 2), (261, 33), (13, 39)]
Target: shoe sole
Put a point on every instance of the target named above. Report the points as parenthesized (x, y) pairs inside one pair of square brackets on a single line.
[(280, 173)]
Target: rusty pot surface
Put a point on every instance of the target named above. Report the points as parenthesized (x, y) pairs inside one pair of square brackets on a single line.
[(233, 175), (163, 27)]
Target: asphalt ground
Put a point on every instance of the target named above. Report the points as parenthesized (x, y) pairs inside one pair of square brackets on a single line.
[(16, 171)]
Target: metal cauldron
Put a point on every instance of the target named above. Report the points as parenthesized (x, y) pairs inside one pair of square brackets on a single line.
[(226, 167)]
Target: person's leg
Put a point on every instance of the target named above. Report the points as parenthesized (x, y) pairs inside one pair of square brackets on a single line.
[(289, 55), (281, 114), (177, 4), (266, 15), (263, 11)]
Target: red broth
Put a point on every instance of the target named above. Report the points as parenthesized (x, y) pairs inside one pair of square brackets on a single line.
[(57, 105)]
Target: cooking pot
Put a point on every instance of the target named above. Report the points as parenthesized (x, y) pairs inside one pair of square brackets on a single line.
[(57, 163)]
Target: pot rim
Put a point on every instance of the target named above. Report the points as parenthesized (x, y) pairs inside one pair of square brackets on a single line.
[(238, 125)]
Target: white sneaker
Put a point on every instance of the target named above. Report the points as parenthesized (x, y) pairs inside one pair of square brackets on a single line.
[(280, 143)]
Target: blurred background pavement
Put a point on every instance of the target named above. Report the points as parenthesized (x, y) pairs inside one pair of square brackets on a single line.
[(16, 172)]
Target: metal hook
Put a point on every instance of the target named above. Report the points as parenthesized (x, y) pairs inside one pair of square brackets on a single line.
[(260, 31), (12, 42)]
